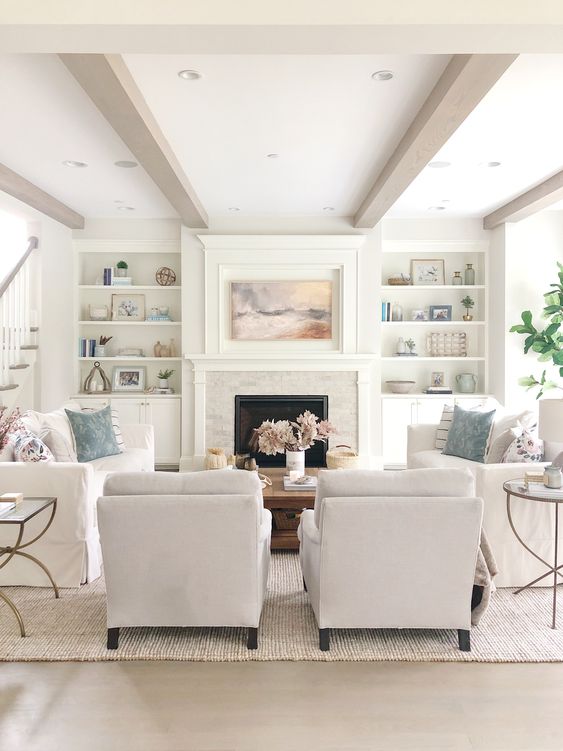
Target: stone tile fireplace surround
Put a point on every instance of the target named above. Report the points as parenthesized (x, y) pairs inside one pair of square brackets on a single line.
[(216, 380)]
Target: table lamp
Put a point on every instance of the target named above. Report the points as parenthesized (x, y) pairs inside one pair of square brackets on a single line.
[(550, 428)]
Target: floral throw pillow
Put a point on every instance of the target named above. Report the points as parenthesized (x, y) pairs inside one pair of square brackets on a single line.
[(525, 448), (10, 428), (30, 448)]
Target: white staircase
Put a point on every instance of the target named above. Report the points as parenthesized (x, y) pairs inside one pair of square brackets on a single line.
[(18, 330)]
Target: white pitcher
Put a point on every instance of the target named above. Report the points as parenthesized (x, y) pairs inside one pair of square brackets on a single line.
[(466, 383)]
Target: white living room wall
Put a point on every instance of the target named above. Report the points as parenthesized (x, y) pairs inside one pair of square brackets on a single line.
[(533, 247)]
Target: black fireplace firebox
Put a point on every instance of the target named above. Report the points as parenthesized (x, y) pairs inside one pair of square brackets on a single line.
[(251, 411)]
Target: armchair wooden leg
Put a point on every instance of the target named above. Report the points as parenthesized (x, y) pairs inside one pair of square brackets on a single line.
[(304, 584), (464, 639), (252, 641), (324, 639), (113, 638)]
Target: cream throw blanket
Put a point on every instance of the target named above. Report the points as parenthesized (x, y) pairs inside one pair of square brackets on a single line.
[(485, 571)]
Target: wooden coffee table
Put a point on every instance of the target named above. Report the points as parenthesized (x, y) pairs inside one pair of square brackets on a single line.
[(278, 499)]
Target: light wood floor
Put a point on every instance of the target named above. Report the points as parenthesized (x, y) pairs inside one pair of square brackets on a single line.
[(279, 706)]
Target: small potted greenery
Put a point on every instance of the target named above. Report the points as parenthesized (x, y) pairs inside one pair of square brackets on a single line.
[(163, 376), (121, 268), (468, 303), (410, 344)]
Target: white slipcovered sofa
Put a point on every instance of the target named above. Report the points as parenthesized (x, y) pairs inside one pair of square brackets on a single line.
[(392, 550), (70, 548), (534, 521), (189, 549)]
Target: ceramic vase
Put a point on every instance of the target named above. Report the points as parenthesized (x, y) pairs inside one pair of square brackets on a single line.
[(295, 460)]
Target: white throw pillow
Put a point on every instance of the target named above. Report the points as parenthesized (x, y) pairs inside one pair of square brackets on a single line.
[(499, 447), (525, 448), (523, 420), (62, 450), (444, 426)]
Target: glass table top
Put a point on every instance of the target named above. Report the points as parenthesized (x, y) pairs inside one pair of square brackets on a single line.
[(25, 510)]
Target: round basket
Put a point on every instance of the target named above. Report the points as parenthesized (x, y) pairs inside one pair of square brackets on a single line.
[(342, 457)]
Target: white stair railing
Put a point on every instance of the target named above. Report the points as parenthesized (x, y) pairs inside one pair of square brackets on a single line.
[(15, 318)]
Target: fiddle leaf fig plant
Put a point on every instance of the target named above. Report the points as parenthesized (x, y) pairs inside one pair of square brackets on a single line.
[(547, 343)]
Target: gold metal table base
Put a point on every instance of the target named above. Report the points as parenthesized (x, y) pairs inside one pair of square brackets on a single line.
[(11, 551), (554, 569)]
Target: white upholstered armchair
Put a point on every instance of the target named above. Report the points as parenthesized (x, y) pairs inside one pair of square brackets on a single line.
[(392, 550), (189, 549)]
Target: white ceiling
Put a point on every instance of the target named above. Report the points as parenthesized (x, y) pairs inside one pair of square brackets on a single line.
[(332, 125), (47, 118), (518, 123)]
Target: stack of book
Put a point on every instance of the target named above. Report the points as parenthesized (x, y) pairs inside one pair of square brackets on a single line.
[(158, 390), (9, 501), (154, 317), (387, 311), (438, 390), (86, 347), (541, 491), (108, 276), (307, 482), (122, 281)]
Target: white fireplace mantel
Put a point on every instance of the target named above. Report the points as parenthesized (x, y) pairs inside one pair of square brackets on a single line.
[(202, 364)]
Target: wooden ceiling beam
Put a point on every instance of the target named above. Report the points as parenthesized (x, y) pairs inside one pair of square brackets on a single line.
[(463, 84), (110, 85), (537, 198), (18, 187)]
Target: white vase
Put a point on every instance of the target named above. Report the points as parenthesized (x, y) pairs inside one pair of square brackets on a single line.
[(295, 460)]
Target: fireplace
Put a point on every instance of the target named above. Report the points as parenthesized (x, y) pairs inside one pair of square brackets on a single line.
[(251, 411)]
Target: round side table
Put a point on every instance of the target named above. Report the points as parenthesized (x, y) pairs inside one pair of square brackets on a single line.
[(516, 488)]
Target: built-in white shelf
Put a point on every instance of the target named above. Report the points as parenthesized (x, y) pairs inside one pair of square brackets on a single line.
[(126, 288), (125, 358), (418, 358), (130, 323), (421, 395), (433, 323), (435, 250), (123, 395), (428, 287)]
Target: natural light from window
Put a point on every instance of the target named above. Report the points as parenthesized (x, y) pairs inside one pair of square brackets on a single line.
[(13, 242)]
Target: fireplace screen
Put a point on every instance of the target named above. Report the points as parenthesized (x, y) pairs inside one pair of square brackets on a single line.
[(251, 411)]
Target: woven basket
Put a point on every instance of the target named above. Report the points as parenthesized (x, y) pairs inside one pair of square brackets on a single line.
[(286, 519), (342, 457)]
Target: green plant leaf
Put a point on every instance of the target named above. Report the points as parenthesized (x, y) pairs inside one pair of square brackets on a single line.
[(558, 357), (527, 317), (528, 381)]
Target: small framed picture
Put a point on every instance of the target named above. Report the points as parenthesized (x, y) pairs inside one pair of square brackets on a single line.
[(127, 308), (437, 379), (419, 315), (440, 312), (131, 378), (427, 272)]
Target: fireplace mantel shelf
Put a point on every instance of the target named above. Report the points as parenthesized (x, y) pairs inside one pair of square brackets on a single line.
[(282, 361)]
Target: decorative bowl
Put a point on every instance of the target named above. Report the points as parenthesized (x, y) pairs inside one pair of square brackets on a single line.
[(400, 387)]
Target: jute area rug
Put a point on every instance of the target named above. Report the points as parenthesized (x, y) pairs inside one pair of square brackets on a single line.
[(514, 629)]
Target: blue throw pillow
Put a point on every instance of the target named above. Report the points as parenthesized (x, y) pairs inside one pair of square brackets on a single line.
[(93, 434), (469, 433)]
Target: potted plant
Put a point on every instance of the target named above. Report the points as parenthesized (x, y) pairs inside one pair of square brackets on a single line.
[(547, 343), (411, 345), (163, 376), (468, 303), (121, 268)]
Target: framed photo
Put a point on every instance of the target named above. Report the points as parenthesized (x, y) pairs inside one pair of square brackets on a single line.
[(127, 307), (440, 312), (128, 378), (427, 272), (418, 314), (437, 379), (281, 310)]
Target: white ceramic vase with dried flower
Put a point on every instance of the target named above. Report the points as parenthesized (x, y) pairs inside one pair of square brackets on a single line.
[(295, 460)]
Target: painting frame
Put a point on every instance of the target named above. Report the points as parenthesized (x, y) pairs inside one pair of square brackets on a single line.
[(419, 315), (438, 379), (439, 313), (136, 374), (281, 309), (428, 272), (127, 308)]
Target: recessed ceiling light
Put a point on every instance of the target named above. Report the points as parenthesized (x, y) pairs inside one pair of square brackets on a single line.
[(272, 156), (234, 209), (328, 209), (189, 75), (119, 201), (126, 208), (72, 163), (126, 164), (489, 164), (439, 165), (436, 208), (382, 75)]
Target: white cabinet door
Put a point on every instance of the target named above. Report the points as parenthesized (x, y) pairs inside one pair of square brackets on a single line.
[(470, 402), (131, 411), (93, 403), (396, 416), (429, 411), (164, 415)]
